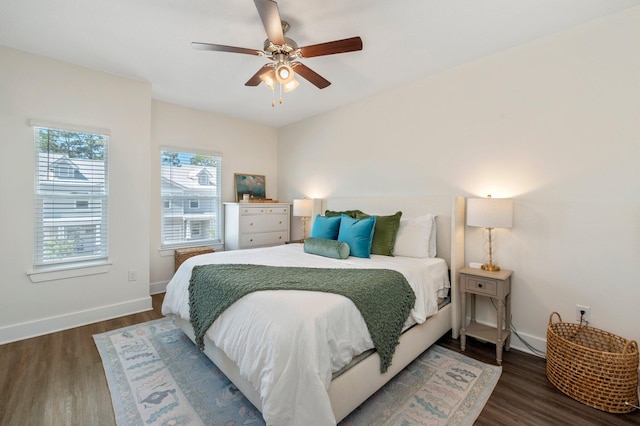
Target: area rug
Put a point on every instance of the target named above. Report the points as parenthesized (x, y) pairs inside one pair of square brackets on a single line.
[(157, 376)]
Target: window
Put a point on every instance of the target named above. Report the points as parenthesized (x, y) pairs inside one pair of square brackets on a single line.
[(71, 196), (195, 229), (191, 198), (203, 179)]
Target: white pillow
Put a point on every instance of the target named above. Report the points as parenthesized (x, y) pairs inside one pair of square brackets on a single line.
[(416, 237), (432, 237)]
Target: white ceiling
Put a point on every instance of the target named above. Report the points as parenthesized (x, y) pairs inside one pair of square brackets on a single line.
[(403, 41)]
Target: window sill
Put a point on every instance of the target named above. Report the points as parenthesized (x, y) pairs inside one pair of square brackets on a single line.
[(64, 272)]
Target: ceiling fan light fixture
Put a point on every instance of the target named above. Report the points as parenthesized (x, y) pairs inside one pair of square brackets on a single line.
[(268, 80), (284, 73), (291, 85)]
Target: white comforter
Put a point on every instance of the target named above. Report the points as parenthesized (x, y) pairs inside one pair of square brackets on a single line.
[(287, 343)]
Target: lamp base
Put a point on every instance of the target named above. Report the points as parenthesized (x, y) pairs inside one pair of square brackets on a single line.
[(490, 267)]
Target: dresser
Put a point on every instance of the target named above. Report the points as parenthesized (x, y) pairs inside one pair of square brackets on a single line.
[(250, 225)]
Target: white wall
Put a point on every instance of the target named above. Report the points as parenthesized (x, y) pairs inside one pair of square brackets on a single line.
[(36, 87), (245, 148), (555, 125)]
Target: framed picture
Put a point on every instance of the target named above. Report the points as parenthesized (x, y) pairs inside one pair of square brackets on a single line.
[(252, 185)]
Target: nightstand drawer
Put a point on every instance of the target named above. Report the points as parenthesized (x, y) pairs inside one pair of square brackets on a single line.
[(481, 286)]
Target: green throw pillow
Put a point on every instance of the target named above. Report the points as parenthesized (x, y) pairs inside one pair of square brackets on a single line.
[(384, 234), (326, 248), (350, 213)]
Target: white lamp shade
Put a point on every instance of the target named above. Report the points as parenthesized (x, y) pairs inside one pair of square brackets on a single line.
[(291, 85), (490, 212), (302, 207)]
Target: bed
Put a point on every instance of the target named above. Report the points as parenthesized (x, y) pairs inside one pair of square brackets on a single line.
[(333, 387)]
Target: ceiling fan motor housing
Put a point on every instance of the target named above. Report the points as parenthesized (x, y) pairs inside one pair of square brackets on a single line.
[(288, 47)]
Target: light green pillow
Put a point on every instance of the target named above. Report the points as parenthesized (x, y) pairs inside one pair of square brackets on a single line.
[(384, 233), (326, 248)]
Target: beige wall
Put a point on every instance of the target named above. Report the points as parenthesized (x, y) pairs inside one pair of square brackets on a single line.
[(554, 124), (33, 87), (245, 148)]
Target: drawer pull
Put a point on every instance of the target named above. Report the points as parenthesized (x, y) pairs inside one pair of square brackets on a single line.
[(479, 285), (280, 222), (250, 239), (280, 237), (251, 224)]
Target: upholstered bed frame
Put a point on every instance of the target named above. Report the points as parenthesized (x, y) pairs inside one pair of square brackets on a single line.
[(353, 387)]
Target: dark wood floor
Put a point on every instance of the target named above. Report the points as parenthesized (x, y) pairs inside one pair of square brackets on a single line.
[(58, 379)]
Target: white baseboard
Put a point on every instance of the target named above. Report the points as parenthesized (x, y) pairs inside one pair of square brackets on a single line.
[(539, 344), (26, 330), (159, 287)]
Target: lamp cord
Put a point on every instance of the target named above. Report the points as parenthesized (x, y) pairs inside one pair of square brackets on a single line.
[(512, 326)]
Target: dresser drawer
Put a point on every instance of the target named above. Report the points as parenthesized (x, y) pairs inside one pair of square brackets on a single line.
[(263, 239), (481, 286), (252, 211), (250, 224)]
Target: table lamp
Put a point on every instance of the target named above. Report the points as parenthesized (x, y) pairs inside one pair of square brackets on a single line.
[(490, 213), (303, 208)]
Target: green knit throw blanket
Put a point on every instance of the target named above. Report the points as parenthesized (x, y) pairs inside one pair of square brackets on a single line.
[(384, 297)]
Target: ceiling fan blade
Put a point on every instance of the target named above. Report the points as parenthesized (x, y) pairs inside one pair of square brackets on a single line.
[(310, 75), (332, 47), (255, 80), (270, 16), (223, 48)]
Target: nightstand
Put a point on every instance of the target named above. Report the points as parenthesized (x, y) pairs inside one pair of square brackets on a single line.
[(496, 285)]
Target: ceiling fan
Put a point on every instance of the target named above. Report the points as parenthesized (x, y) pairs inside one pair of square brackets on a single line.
[(284, 52)]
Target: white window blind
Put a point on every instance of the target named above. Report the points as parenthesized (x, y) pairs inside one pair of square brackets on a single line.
[(71, 196), (191, 198)]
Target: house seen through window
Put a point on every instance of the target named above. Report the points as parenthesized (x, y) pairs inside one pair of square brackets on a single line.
[(191, 198), (71, 196)]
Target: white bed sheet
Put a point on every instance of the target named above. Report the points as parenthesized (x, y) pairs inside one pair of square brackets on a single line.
[(279, 339)]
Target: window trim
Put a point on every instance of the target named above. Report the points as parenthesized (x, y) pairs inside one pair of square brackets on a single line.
[(60, 272), (70, 268), (167, 249)]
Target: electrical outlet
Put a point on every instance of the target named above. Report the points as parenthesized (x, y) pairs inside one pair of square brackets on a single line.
[(133, 275), (587, 313)]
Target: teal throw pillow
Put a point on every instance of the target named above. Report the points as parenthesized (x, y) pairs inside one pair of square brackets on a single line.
[(358, 233), (326, 248), (384, 234), (326, 227)]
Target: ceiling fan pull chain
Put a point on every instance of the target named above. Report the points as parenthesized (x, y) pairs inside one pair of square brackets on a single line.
[(280, 85)]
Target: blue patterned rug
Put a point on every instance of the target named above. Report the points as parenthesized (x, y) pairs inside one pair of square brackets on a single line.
[(158, 377)]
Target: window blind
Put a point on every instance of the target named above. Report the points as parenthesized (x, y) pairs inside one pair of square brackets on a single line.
[(191, 198), (71, 196)]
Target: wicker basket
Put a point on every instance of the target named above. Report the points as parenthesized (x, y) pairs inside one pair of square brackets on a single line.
[(182, 254), (592, 366)]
